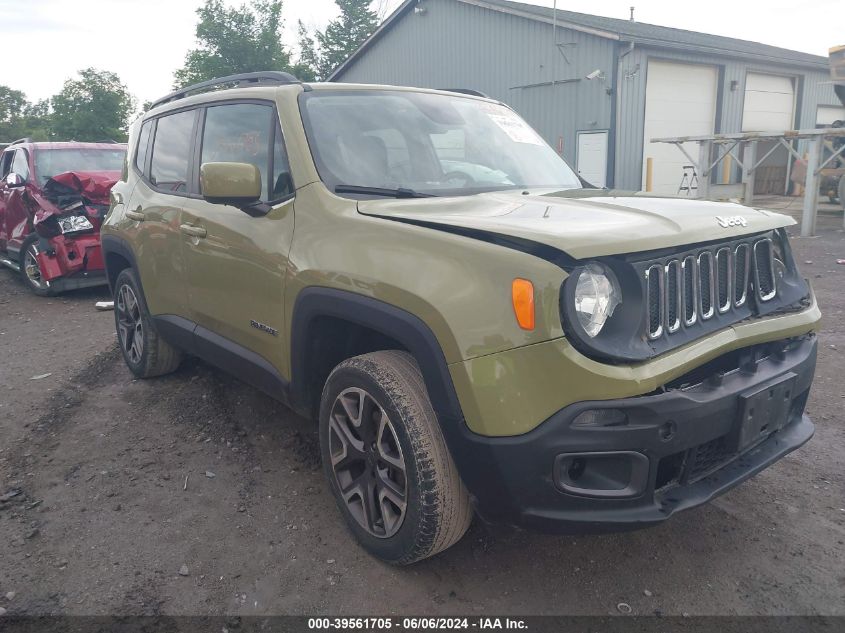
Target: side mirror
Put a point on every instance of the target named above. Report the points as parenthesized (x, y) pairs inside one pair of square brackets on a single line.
[(14, 180), (236, 184)]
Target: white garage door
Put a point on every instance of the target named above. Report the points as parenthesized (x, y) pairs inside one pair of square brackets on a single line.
[(828, 114), (769, 103), (680, 100)]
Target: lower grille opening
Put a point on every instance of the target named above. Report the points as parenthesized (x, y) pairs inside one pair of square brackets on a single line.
[(669, 470), (708, 457)]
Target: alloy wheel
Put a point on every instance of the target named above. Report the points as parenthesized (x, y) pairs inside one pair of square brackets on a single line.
[(367, 462), (31, 268), (130, 325)]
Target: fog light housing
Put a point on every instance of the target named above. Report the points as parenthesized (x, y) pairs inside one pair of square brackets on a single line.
[(600, 418), (609, 475)]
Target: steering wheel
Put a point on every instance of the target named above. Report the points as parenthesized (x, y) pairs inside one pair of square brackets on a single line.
[(459, 176)]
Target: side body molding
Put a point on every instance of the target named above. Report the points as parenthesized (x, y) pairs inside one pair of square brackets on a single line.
[(402, 326)]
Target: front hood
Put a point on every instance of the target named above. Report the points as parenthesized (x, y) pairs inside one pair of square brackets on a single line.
[(582, 223)]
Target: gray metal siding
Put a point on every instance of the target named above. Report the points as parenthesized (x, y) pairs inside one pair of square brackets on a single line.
[(455, 45)]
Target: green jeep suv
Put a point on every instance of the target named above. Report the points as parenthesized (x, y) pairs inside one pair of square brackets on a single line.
[(475, 330)]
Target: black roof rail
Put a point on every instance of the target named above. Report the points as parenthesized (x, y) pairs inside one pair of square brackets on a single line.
[(25, 139), (266, 77), (109, 141), (466, 91)]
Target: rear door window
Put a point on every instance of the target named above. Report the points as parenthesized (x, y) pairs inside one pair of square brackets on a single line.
[(171, 152)]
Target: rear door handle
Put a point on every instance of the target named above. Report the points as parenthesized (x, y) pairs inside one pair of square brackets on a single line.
[(136, 215), (193, 231)]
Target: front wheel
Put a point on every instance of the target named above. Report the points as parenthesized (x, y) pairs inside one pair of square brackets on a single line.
[(30, 269), (387, 462)]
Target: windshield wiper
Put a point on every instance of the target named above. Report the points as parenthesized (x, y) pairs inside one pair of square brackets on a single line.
[(378, 191)]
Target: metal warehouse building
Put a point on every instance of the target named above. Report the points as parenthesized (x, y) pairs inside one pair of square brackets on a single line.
[(599, 89)]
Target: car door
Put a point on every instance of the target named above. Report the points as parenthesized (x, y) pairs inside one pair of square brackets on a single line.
[(15, 218), (236, 264), (5, 167), (155, 206)]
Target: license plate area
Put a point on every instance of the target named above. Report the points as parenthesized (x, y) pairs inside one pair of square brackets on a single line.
[(764, 410)]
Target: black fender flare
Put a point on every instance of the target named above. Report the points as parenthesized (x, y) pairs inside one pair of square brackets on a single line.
[(409, 330), (118, 246)]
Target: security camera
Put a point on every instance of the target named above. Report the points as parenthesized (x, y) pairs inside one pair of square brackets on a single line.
[(596, 74)]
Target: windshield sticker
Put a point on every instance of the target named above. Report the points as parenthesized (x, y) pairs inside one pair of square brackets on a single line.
[(516, 129)]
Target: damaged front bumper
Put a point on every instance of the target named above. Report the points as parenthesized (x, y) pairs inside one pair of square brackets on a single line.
[(633, 462), (69, 262)]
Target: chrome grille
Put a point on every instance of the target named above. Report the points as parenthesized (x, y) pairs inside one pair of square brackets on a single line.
[(690, 289), (764, 270), (723, 279), (656, 301), (705, 283), (682, 290), (674, 293), (740, 275)]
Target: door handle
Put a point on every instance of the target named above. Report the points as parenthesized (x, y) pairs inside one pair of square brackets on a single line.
[(193, 231), (136, 215)]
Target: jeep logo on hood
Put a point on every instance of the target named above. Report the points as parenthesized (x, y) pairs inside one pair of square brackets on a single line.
[(733, 220)]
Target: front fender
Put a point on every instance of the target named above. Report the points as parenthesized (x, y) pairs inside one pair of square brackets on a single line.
[(410, 331)]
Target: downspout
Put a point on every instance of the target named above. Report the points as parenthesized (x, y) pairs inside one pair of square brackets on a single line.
[(614, 104), (556, 110)]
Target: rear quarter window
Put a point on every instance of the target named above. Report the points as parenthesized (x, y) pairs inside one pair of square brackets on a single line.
[(143, 146)]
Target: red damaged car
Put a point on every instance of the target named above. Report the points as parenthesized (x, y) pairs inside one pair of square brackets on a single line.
[(53, 197)]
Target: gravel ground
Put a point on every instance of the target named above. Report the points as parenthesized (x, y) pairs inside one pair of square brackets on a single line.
[(196, 494)]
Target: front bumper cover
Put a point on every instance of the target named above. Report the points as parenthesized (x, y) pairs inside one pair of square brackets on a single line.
[(513, 480)]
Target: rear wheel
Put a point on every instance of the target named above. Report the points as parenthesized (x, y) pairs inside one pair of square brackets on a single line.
[(386, 460), (30, 270), (145, 352)]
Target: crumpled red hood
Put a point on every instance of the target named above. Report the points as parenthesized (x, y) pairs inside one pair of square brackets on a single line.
[(93, 185), (73, 189)]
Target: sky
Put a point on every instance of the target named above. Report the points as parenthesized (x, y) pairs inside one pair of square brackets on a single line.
[(144, 41)]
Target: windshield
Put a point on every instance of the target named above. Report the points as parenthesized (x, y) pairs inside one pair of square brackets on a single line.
[(52, 162), (426, 143)]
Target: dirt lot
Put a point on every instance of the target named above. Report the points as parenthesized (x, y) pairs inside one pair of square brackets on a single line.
[(122, 482)]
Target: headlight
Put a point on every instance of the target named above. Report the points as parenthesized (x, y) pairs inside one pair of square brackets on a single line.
[(597, 294), (72, 223)]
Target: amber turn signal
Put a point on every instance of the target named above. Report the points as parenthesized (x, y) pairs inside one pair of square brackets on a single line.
[(522, 295)]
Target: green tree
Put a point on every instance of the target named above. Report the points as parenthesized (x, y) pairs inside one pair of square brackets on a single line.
[(20, 118), (96, 106), (38, 120), (12, 104), (340, 39), (306, 67), (235, 40)]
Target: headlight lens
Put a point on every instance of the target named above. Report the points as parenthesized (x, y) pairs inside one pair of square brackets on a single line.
[(72, 223), (597, 294)]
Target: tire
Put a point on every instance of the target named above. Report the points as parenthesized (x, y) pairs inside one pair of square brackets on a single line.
[(29, 269), (145, 352), (386, 393)]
